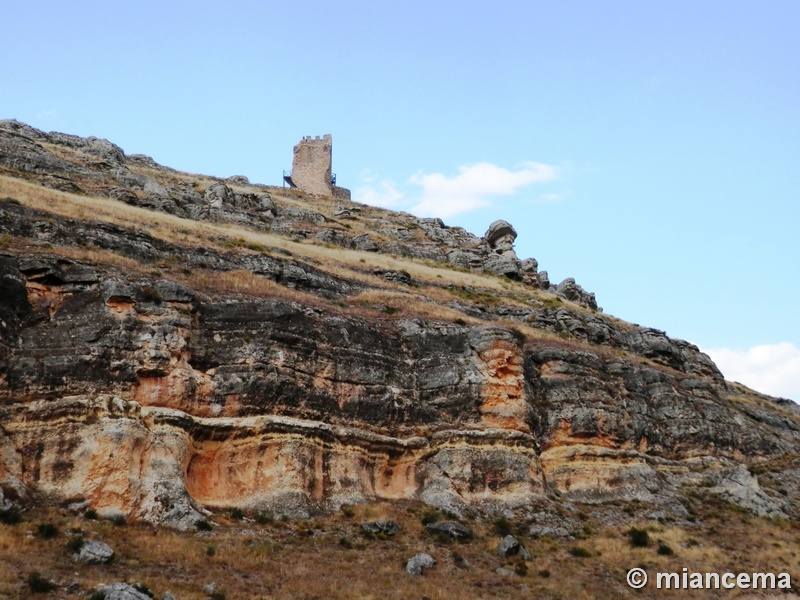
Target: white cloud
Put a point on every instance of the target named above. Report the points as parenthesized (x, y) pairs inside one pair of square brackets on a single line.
[(474, 187), (45, 114), (385, 194), (769, 368)]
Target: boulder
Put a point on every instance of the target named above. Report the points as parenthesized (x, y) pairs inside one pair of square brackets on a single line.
[(365, 243), (385, 527), (500, 235), (169, 291), (452, 528), (506, 265), (574, 293), (418, 563), (217, 195), (544, 280), (95, 553), (509, 546), (121, 591)]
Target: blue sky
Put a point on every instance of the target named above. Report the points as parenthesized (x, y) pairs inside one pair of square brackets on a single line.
[(648, 149)]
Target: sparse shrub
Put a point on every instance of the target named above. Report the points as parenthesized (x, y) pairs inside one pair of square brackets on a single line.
[(149, 294), (217, 595), (98, 595), (211, 550), (665, 550), (580, 552), (39, 584), (348, 511), (140, 587), (345, 542), (390, 310), (10, 516), (47, 531), (263, 517), (430, 516), (502, 526), (203, 525), (521, 569), (544, 573), (75, 544), (237, 513), (118, 520), (639, 537), (91, 514), (458, 560)]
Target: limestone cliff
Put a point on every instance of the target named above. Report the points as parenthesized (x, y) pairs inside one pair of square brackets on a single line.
[(171, 342)]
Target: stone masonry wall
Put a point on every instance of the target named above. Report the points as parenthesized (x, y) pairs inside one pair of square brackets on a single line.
[(311, 166)]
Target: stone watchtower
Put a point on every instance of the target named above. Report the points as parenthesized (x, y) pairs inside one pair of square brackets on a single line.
[(311, 168)]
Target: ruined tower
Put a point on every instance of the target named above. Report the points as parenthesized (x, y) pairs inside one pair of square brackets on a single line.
[(311, 168)]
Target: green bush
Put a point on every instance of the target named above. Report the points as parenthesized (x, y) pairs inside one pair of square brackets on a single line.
[(118, 520), (263, 517), (10, 516), (47, 531), (140, 587), (580, 552), (665, 550), (502, 526), (39, 584), (639, 537), (203, 525), (430, 516), (75, 544)]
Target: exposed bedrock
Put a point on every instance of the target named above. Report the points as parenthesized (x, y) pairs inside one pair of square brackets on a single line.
[(150, 400)]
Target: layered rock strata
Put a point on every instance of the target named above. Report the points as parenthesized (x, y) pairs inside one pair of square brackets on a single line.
[(137, 393)]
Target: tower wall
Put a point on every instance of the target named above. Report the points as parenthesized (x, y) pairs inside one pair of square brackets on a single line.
[(311, 165)]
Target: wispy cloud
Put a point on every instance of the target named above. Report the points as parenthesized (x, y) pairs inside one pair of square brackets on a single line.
[(44, 115), (383, 194), (769, 368), (475, 186)]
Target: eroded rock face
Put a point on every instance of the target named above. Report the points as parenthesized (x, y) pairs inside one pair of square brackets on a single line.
[(157, 403), (138, 395)]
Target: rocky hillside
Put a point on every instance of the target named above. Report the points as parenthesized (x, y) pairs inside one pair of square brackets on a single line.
[(172, 343)]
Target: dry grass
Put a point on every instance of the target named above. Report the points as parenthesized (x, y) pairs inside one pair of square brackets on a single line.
[(182, 231), (329, 557)]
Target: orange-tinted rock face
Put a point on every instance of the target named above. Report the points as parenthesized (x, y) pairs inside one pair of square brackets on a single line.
[(156, 409), (504, 403)]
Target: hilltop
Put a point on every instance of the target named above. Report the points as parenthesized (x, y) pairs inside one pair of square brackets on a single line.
[(187, 351)]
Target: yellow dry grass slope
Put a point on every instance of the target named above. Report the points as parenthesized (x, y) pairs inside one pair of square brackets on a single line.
[(329, 557)]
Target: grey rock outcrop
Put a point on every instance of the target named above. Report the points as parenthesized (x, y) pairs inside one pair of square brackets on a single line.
[(385, 527), (509, 546), (500, 236), (93, 552), (466, 398), (572, 291), (418, 563), (217, 195), (454, 529), (121, 591)]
